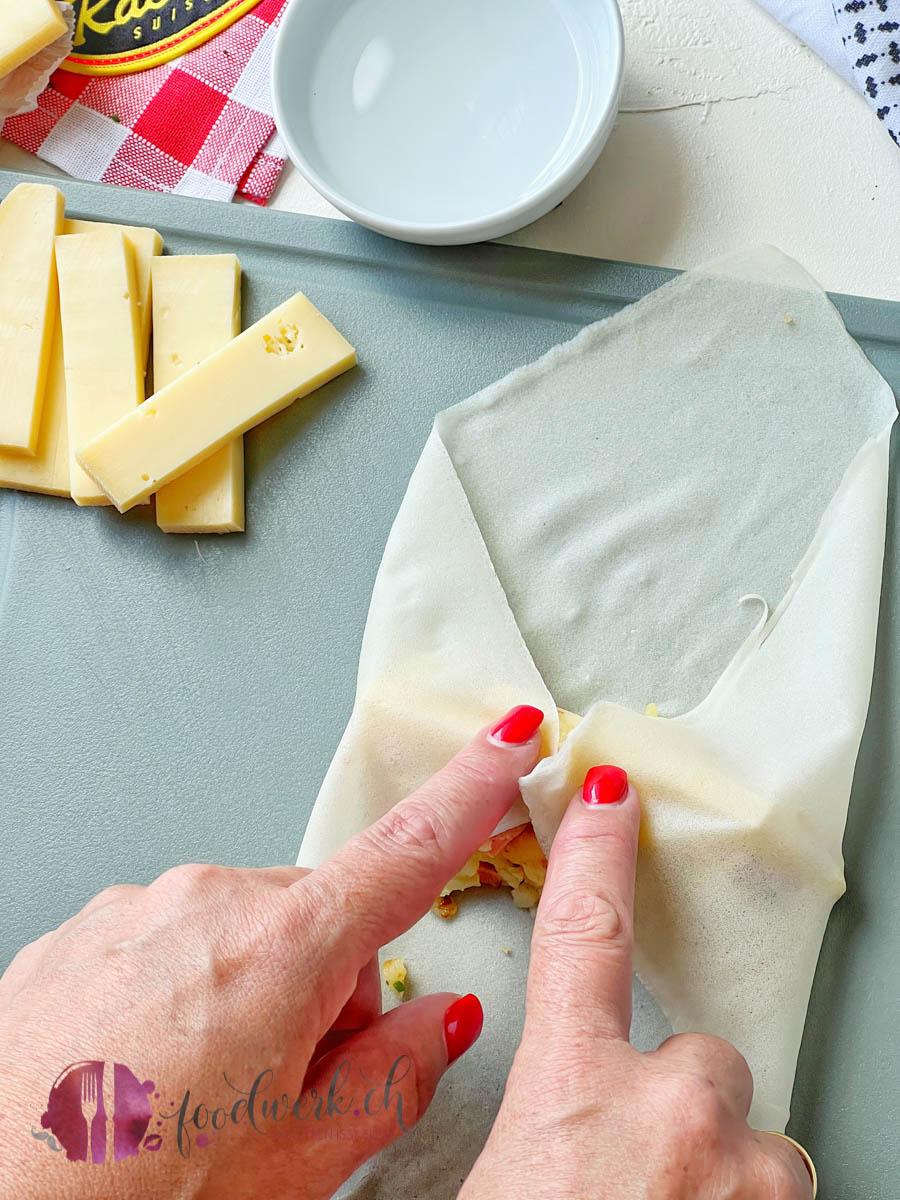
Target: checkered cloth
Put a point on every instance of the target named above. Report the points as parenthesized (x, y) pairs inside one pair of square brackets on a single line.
[(200, 125)]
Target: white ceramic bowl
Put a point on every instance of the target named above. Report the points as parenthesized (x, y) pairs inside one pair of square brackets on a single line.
[(447, 121)]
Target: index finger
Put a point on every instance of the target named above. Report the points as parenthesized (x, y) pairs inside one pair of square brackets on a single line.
[(387, 877), (580, 974)]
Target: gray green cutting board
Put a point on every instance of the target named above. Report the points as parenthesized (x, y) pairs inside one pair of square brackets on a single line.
[(166, 699)]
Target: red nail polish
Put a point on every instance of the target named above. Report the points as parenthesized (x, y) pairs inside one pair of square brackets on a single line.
[(519, 724), (463, 1023), (604, 785)]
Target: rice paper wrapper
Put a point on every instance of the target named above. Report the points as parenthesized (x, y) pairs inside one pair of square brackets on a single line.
[(20, 89), (683, 505)]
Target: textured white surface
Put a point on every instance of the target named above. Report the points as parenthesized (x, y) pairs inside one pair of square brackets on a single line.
[(732, 133)]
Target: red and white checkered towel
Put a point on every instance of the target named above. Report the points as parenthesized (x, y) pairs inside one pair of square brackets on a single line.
[(200, 125)]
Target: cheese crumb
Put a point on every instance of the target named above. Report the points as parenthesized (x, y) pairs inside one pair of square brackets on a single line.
[(651, 711)]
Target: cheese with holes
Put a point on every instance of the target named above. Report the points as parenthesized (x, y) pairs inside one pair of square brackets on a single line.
[(102, 341), (30, 218), (27, 26), (196, 311), (286, 355), (47, 470), (147, 245)]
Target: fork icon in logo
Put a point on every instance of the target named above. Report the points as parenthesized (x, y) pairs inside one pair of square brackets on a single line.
[(89, 1106), (99, 1112), (98, 1096)]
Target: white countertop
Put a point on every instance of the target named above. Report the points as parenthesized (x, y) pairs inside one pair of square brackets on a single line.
[(731, 133)]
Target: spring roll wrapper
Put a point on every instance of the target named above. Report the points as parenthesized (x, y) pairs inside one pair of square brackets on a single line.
[(684, 504)]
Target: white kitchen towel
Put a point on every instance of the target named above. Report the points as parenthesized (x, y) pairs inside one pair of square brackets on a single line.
[(860, 39)]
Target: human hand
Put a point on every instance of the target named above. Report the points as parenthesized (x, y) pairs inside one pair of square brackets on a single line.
[(612, 1123), (212, 978)]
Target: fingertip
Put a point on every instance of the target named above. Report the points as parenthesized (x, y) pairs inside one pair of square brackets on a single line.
[(517, 727), (463, 1023), (604, 785)]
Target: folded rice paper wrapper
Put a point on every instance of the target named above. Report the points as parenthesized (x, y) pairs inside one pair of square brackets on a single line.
[(683, 505)]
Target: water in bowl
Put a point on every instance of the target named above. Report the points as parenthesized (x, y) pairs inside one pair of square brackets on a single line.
[(446, 110)]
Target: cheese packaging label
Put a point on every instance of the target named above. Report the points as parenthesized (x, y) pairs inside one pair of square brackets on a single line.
[(116, 37)]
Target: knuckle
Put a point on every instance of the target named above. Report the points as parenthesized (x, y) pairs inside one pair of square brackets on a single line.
[(698, 1108), (470, 772), (26, 960), (738, 1066), (410, 827), (590, 836), (116, 892), (708, 1054), (575, 917), (303, 907), (689, 1043), (189, 878), (709, 1046)]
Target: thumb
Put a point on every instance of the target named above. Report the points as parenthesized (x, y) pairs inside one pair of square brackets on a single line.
[(379, 1083)]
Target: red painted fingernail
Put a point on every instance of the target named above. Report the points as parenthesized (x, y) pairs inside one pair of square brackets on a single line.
[(604, 785), (463, 1022), (519, 724)]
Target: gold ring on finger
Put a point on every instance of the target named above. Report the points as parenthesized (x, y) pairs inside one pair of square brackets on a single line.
[(804, 1154)]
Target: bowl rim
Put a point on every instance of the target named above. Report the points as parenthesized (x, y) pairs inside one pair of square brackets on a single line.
[(490, 225)]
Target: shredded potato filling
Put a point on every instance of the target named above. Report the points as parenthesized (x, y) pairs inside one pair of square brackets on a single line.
[(394, 973), (512, 859)]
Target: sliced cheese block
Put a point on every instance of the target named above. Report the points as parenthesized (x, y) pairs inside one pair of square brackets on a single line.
[(27, 26), (30, 218), (147, 244), (102, 341), (197, 310), (47, 470), (285, 355)]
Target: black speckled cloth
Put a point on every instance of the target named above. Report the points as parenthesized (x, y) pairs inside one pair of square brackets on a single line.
[(870, 32), (860, 39)]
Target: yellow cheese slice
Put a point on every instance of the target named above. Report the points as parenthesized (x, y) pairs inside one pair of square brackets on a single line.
[(289, 353), (196, 311), (147, 244), (30, 218), (102, 341), (47, 470), (27, 26)]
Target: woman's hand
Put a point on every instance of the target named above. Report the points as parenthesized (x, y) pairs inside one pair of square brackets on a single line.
[(213, 980), (614, 1124)]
